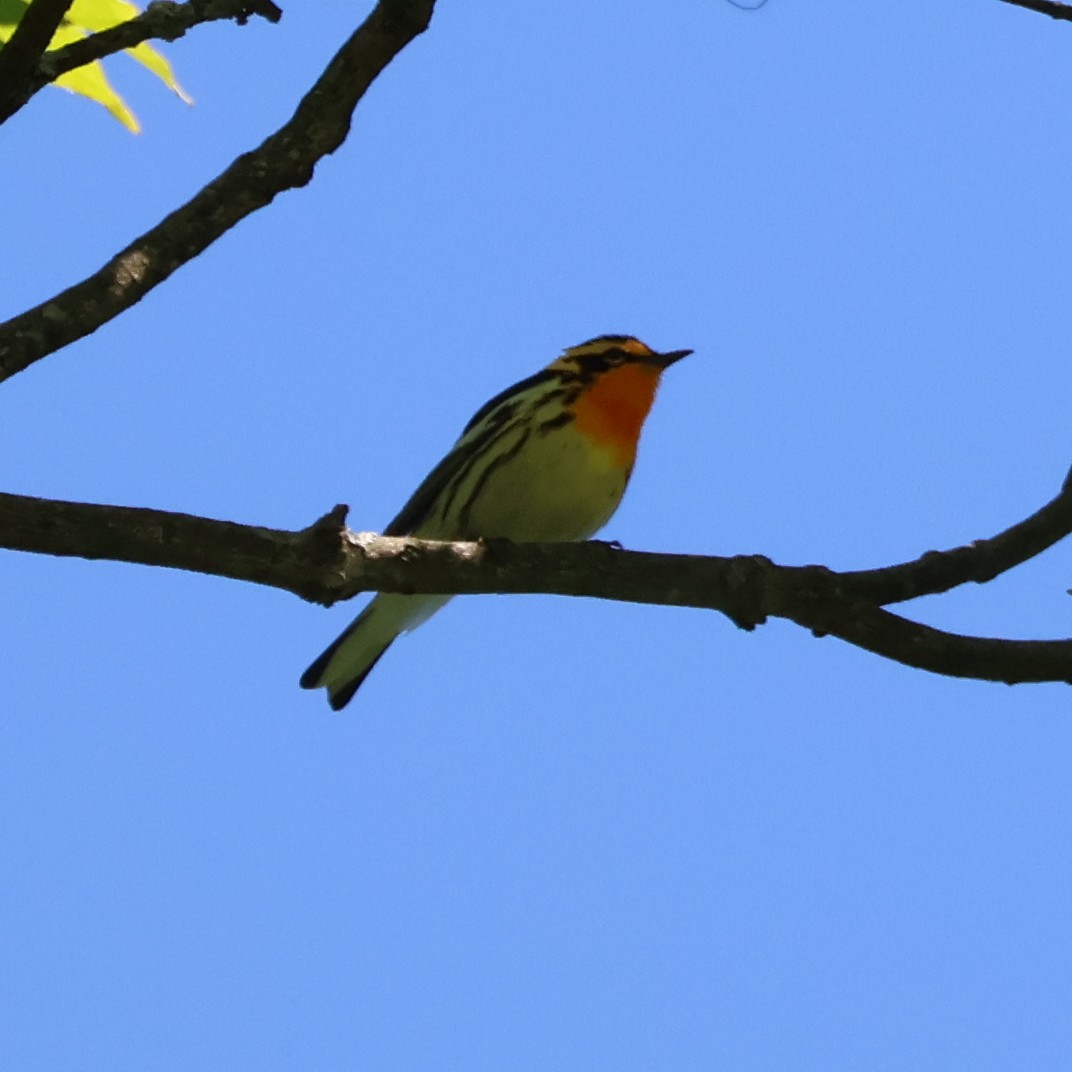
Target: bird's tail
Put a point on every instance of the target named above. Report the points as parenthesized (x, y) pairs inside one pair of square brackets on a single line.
[(345, 664)]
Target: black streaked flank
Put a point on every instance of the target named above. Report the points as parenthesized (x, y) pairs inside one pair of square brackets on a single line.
[(435, 483), (559, 421), (499, 417), (493, 464), (469, 453)]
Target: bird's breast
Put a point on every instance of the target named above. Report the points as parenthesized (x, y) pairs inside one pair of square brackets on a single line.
[(612, 410), (560, 486)]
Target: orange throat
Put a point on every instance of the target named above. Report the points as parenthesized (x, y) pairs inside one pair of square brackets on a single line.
[(612, 410)]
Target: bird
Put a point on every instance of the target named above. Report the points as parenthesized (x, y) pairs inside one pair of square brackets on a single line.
[(546, 460)]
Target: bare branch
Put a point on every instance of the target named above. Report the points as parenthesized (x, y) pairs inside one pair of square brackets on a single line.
[(294, 561), (1055, 10), (283, 161), (162, 20), (979, 561), (20, 56), (1011, 662), (326, 562)]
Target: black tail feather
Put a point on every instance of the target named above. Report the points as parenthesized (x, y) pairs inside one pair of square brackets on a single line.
[(340, 698), (311, 678)]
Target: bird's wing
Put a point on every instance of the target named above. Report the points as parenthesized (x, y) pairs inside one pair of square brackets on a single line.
[(491, 421)]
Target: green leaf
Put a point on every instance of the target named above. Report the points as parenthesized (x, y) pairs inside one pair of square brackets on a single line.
[(99, 14), (86, 17), (91, 81), (155, 62), (10, 13)]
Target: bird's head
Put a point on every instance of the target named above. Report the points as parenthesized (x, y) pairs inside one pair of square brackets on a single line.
[(612, 382), (607, 352)]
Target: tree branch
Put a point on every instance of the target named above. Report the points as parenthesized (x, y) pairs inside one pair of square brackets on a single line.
[(298, 562), (981, 561), (162, 20), (1062, 12), (1011, 662), (326, 562), (20, 56), (285, 160)]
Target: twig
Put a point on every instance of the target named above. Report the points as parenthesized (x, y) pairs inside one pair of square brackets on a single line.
[(1062, 12), (979, 561), (162, 20)]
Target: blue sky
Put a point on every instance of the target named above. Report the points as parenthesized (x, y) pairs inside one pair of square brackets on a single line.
[(552, 833)]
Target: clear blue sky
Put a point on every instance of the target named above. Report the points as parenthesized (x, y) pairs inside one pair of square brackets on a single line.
[(549, 833)]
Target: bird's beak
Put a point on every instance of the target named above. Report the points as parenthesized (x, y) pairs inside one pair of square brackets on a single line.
[(664, 361)]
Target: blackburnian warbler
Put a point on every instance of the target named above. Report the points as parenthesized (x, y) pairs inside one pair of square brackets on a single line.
[(546, 460)]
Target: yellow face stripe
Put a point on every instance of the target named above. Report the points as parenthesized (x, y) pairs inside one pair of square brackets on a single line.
[(636, 348), (605, 344)]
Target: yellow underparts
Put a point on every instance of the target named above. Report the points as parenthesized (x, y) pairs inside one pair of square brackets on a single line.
[(612, 411)]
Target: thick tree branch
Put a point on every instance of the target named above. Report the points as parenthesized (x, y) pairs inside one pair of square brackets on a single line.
[(326, 562), (283, 161), (1045, 7), (299, 562), (20, 56)]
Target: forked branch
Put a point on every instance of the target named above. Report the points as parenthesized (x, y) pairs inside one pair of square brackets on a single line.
[(285, 160), (20, 56), (326, 562), (163, 20)]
